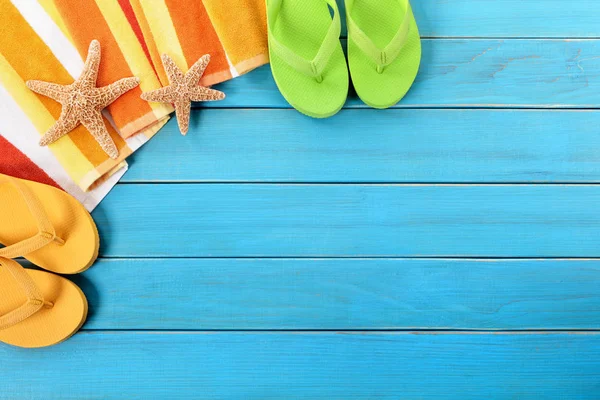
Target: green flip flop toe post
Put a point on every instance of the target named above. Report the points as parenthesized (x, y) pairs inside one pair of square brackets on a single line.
[(307, 59), (384, 49)]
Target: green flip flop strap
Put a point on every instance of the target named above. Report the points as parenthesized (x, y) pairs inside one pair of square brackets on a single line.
[(315, 67), (384, 57)]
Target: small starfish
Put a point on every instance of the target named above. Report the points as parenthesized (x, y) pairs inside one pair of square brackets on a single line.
[(83, 102), (184, 89)]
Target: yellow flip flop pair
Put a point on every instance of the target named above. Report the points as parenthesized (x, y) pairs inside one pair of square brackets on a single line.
[(54, 231)]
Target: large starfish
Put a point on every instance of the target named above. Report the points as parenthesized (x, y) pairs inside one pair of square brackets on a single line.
[(184, 89), (83, 102)]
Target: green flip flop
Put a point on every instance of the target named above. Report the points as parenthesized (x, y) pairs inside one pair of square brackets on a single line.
[(307, 59), (384, 49)]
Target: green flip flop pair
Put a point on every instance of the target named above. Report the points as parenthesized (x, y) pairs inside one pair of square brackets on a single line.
[(307, 59)]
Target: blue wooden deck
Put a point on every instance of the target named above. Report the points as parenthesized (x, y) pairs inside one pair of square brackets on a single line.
[(446, 248)]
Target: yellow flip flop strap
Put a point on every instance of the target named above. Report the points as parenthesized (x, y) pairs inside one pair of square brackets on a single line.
[(46, 233), (35, 300)]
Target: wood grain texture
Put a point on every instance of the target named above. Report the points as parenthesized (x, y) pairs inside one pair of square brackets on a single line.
[(503, 57), (262, 220), (338, 294), (470, 73), (506, 18), (408, 146), (303, 365)]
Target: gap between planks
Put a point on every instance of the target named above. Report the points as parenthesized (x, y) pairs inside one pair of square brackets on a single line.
[(332, 183), (400, 106), (398, 332), (358, 257), (474, 38)]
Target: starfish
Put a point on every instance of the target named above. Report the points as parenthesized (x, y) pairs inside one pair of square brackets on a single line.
[(184, 89), (82, 102)]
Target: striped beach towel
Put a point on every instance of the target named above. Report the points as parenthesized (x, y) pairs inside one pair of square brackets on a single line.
[(35, 43), (233, 32), (48, 40)]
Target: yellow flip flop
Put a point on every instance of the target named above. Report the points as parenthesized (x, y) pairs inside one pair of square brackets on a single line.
[(47, 226), (37, 308)]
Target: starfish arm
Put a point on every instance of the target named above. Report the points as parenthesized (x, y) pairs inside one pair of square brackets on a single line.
[(95, 124), (92, 64), (182, 110), (53, 90), (107, 94), (200, 93), (173, 72), (195, 73), (162, 95), (65, 124)]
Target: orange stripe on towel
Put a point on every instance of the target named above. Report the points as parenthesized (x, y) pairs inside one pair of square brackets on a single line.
[(20, 45), (86, 23), (242, 27), (198, 37), (144, 25), (135, 26)]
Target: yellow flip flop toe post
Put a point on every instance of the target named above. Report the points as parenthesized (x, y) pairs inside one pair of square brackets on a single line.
[(37, 308), (47, 226)]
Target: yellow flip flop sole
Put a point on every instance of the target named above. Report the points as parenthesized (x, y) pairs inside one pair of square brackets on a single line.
[(37, 308), (47, 226)]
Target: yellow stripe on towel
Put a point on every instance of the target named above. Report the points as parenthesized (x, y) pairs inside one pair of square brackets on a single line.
[(65, 151), (164, 32)]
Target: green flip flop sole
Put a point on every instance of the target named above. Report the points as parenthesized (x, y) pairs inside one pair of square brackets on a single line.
[(307, 58), (384, 49)]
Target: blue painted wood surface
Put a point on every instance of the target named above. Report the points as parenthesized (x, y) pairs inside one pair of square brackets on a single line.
[(503, 18), (303, 365), (338, 294), (208, 287), (507, 18), (398, 146), (471, 73), (273, 220)]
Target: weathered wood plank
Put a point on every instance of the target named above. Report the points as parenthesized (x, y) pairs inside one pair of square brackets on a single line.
[(268, 220), (471, 73), (442, 146), (507, 18), (306, 365), (342, 294)]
